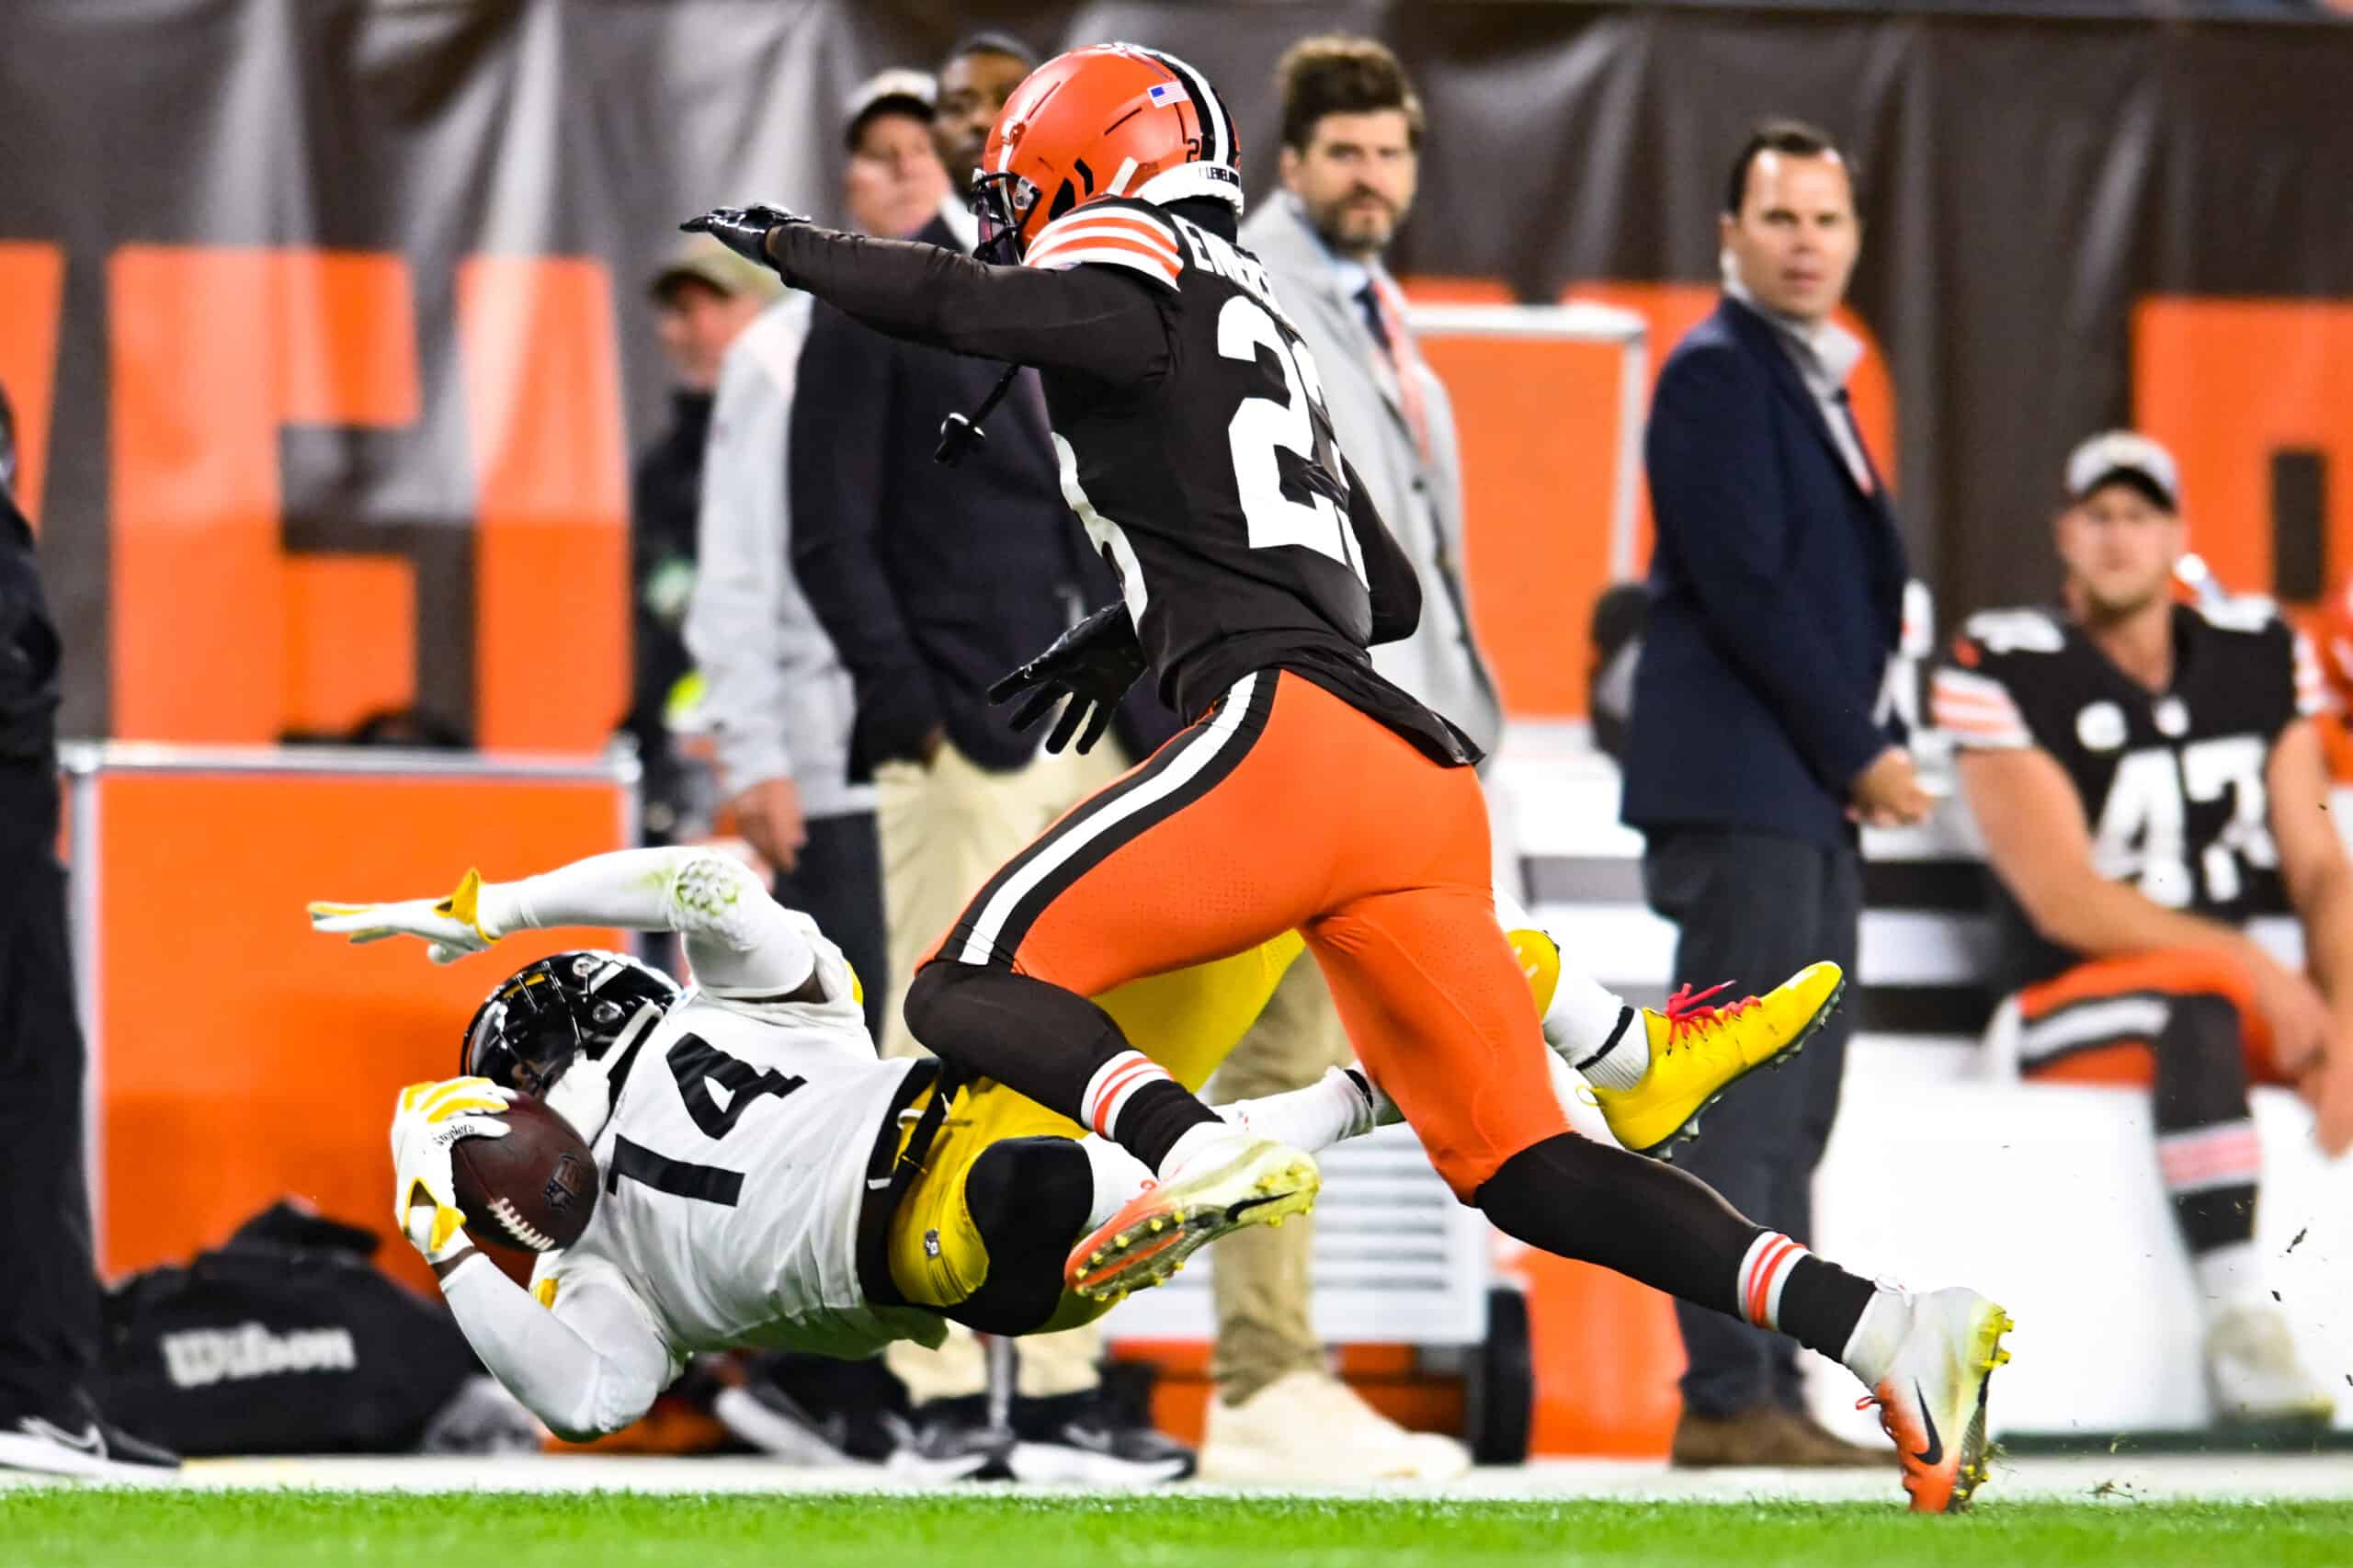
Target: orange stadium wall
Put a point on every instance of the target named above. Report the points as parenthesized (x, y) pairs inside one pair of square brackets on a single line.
[(238, 1057)]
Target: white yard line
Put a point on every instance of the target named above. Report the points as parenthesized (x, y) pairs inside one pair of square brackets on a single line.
[(2124, 1479)]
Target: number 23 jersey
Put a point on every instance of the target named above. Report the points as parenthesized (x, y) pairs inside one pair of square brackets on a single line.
[(733, 1171), (1217, 491), (2172, 782)]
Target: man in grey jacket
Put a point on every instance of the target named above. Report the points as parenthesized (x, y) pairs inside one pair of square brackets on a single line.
[(777, 698), (1351, 129)]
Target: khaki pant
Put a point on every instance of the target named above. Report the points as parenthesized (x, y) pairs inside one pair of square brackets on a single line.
[(946, 829), (1260, 1276)]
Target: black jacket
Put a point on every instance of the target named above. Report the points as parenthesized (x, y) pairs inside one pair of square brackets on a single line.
[(665, 499), (28, 659), (1777, 596), (932, 580)]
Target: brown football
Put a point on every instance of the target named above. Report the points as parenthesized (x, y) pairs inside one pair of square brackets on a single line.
[(532, 1190)]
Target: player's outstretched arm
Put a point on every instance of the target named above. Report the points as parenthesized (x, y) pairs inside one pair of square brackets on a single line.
[(737, 936), (1083, 319)]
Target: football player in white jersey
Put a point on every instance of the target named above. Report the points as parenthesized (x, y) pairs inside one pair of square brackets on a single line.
[(739, 1127)]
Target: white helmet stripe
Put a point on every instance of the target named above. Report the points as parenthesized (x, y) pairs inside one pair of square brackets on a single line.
[(1219, 136)]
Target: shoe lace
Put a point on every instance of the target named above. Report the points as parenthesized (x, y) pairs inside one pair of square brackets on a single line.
[(1688, 1013)]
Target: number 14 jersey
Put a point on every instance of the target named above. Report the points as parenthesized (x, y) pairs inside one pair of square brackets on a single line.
[(2172, 782), (733, 1171)]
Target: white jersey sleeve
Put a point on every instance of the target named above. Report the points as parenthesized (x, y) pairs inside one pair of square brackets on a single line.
[(740, 942), (588, 1361)]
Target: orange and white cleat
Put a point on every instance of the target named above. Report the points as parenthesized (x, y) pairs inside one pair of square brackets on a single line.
[(1237, 1182), (1932, 1400)]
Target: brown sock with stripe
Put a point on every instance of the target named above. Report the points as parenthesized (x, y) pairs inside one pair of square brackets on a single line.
[(1056, 1047)]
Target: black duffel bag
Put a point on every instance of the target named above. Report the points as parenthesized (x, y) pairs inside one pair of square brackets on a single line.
[(289, 1340)]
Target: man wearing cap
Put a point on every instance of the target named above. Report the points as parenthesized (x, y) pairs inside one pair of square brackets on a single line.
[(932, 582), (776, 698), (2146, 777), (703, 297)]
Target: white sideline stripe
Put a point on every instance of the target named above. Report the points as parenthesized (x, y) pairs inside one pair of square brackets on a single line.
[(1207, 747), (2144, 1016), (2218, 1476)]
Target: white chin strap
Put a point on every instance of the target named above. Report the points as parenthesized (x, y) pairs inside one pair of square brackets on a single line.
[(584, 1096)]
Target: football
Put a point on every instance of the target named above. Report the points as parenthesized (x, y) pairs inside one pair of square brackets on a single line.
[(532, 1190)]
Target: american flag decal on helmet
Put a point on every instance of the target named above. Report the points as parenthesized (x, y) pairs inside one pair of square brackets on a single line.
[(1166, 93)]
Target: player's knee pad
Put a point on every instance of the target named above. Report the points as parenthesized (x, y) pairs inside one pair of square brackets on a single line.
[(2201, 1076), (926, 991), (1029, 1199)]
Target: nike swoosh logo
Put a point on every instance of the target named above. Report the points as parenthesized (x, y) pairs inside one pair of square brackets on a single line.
[(92, 1441), (1935, 1452)]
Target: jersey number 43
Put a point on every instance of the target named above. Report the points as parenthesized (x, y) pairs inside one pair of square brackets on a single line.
[(2144, 826)]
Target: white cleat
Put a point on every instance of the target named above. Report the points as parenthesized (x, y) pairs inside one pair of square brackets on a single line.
[(1311, 1429), (1932, 1400), (1238, 1181), (2255, 1375)]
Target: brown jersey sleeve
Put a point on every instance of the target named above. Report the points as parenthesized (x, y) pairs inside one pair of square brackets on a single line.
[(1090, 320)]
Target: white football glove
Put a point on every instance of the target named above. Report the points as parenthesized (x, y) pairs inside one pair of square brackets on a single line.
[(450, 927), (427, 1122)]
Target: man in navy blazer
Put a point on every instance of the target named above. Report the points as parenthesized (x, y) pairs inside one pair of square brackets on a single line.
[(1756, 744)]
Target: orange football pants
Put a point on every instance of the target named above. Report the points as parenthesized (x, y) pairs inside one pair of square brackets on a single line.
[(2082, 1026), (1285, 808)]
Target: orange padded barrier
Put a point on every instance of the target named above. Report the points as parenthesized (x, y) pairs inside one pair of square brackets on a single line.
[(238, 1055)]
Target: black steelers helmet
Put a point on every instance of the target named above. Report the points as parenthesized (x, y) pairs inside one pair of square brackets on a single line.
[(547, 1014)]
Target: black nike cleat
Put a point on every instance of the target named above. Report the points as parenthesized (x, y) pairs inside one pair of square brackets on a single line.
[(1079, 1439), (950, 1439), (71, 1439)]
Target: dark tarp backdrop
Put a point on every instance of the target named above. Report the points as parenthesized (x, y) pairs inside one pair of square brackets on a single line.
[(2031, 185)]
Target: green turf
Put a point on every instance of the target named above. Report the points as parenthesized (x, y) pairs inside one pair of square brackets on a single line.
[(197, 1529)]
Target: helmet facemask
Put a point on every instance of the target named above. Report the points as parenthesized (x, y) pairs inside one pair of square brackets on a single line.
[(1004, 203), (558, 1029)]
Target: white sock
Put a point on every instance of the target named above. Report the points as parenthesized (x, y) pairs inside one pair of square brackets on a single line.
[(1871, 1348), (1333, 1108), (1119, 1178), (1196, 1142), (1620, 1052), (1583, 1019), (2228, 1278)]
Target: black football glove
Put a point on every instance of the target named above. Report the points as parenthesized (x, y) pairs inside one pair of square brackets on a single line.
[(1092, 664), (744, 230)]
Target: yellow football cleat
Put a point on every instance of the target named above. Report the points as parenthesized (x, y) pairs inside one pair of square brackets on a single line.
[(1699, 1051), (1258, 1182)]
